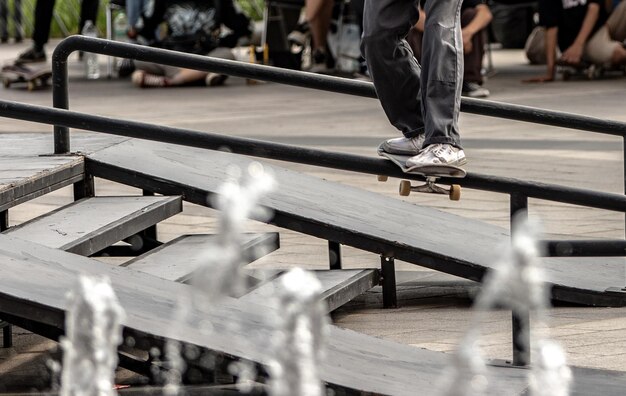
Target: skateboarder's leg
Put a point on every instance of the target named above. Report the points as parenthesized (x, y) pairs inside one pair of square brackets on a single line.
[(442, 71), (391, 63), (442, 78)]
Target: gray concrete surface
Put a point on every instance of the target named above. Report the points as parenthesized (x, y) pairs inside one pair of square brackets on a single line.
[(435, 313)]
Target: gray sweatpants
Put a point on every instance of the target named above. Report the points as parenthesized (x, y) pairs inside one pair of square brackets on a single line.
[(400, 81)]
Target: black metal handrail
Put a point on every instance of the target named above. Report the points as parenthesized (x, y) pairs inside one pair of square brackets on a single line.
[(289, 77), (303, 155)]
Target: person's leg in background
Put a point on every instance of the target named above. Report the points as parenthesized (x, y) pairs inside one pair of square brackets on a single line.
[(135, 9), (4, 21), (41, 33), (357, 8), (616, 25), (473, 59), (88, 12), (318, 14), (153, 75), (17, 21)]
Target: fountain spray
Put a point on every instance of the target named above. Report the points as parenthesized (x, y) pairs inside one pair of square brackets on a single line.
[(93, 333), (516, 283)]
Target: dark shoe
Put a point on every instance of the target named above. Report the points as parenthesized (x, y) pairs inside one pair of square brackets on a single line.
[(474, 90), (4, 40), (31, 55), (125, 68), (320, 63)]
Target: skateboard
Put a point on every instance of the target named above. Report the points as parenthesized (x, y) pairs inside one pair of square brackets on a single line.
[(432, 173), (33, 77), (585, 70)]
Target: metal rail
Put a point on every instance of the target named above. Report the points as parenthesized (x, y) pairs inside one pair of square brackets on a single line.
[(289, 77), (289, 153)]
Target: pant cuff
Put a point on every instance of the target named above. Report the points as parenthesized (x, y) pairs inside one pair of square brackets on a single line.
[(442, 140), (414, 133)]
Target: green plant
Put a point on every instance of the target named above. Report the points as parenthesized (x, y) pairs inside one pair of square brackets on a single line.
[(252, 8)]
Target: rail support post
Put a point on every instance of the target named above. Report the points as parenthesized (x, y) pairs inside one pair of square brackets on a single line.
[(84, 188), (334, 255), (150, 232), (520, 326), (7, 331), (388, 282), (4, 220), (60, 100)]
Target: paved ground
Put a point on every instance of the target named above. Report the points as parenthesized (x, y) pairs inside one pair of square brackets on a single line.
[(436, 313)]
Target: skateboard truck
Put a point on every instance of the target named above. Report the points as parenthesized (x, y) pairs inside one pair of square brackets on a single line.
[(431, 186)]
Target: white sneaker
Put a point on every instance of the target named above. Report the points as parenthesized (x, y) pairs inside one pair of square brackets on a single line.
[(438, 154), (403, 145), (474, 90)]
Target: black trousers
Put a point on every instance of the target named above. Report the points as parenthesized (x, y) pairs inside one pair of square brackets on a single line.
[(43, 18), (17, 19)]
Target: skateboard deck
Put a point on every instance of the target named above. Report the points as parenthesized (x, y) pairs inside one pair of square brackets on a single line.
[(586, 70), (34, 78), (432, 173)]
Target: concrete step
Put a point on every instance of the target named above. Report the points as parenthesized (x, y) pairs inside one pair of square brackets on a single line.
[(178, 259), (91, 224)]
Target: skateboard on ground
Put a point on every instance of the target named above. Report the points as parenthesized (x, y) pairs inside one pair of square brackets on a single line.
[(432, 173), (18, 73), (585, 70)]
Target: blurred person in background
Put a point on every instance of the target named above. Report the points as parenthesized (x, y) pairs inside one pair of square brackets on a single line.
[(193, 27), (44, 10), (583, 32), (4, 21)]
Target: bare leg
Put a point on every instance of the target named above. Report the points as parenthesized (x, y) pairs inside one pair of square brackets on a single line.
[(318, 16), (187, 76), (619, 56)]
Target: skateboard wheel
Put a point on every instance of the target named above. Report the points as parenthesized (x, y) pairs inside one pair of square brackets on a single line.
[(382, 178), (6, 82), (455, 192), (405, 188), (566, 75), (32, 85)]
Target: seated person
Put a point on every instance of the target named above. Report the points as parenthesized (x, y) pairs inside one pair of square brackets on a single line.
[(582, 31), (475, 17), (608, 45), (192, 27)]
